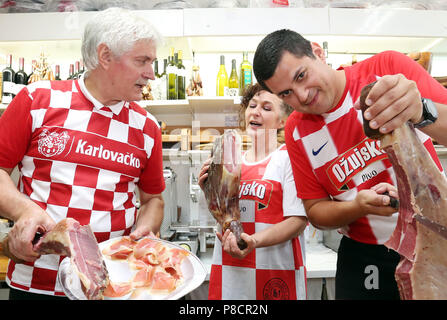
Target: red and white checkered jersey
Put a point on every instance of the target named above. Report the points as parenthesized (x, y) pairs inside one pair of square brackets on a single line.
[(78, 159), (267, 196), (332, 157)]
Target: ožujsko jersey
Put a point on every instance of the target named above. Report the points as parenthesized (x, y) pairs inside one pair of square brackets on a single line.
[(267, 196), (332, 157), (78, 159)]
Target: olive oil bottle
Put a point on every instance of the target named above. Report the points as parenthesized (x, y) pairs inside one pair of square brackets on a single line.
[(246, 74)]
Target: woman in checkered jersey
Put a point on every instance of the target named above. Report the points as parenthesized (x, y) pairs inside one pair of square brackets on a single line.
[(273, 218), (83, 148)]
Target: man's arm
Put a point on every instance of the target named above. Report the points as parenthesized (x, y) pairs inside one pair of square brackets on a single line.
[(331, 214), (28, 218), (150, 215)]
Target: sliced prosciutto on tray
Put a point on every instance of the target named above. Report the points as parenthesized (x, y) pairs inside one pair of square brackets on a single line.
[(156, 266)]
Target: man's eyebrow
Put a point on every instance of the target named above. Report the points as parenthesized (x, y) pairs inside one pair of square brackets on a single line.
[(295, 76)]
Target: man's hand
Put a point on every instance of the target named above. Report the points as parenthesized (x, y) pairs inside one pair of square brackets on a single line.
[(22, 234), (377, 199), (392, 101)]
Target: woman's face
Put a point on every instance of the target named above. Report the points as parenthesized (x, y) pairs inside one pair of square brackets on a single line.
[(263, 113)]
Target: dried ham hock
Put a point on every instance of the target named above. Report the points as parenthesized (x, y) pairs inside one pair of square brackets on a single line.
[(69, 238), (78, 242), (420, 236), (221, 188)]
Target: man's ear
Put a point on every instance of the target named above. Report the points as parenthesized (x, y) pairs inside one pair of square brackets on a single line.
[(104, 55), (318, 51)]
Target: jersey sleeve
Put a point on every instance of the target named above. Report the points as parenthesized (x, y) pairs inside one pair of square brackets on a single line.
[(152, 180), (15, 130), (292, 204), (307, 185)]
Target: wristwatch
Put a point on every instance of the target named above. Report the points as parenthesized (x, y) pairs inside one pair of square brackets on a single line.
[(429, 113)]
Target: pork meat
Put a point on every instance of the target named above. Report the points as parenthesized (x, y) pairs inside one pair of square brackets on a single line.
[(69, 238), (221, 188), (420, 235)]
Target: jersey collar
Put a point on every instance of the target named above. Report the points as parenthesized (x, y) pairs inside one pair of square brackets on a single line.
[(116, 108)]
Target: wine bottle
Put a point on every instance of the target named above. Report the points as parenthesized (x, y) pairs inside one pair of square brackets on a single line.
[(171, 71), (246, 73), (71, 72), (181, 76), (57, 72), (233, 82), (21, 78), (164, 81), (155, 84), (77, 69), (81, 68), (8, 81), (222, 79), (33, 69)]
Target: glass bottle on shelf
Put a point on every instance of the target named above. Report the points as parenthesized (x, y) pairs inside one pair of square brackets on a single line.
[(33, 70), (246, 73), (171, 71), (163, 81), (77, 70), (57, 72), (70, 72), (181, 76), (155, 84), (8, 81), (21, 78), (195, 87), (222, 79), (233, 82)]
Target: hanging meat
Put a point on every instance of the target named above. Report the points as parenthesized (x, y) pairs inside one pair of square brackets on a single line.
[(420, 236), (221, 188)]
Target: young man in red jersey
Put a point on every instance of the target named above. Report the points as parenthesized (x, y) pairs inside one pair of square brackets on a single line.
[(340, 173)]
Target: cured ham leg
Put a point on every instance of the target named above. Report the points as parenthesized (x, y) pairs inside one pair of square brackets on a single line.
[(78, 242), (420, 235), (221, 188)]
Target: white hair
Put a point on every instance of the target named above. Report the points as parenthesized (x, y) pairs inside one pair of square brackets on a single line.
[(119, 29)]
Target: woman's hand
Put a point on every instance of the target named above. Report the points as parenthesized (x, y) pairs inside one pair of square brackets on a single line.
[(229, 244)]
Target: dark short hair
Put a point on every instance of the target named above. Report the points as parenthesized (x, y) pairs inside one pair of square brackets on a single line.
[(271, 48)]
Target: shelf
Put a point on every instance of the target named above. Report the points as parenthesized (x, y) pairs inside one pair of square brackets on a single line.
[(166, 106), (193, 105), (214, 104), (240, 29)]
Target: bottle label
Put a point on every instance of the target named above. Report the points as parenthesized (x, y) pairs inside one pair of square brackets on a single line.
[(9, 87), (247, 77), (233, 92)]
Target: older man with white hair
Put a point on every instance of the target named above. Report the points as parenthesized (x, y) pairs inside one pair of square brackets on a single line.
[(83, 148)]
